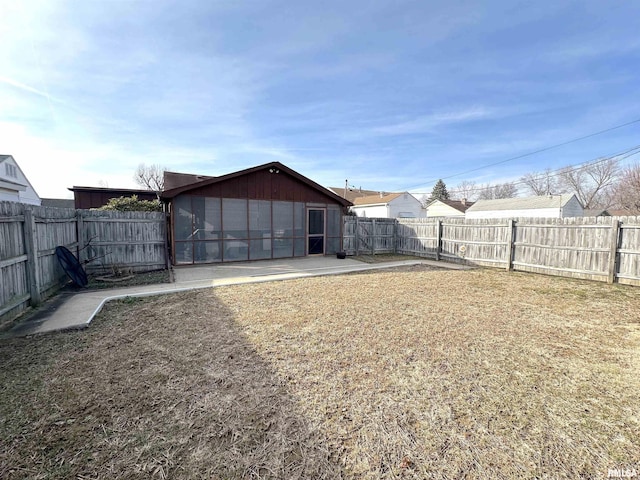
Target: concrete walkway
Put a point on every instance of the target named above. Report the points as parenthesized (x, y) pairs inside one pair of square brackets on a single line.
[(77, 310)]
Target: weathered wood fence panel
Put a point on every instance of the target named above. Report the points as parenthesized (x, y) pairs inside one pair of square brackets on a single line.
[(628, 267), (54, 227), (368, 236), (595, 248), (135, 240), (14, 286), (573, 247), (417, 237), (482, 242), (29, 268)]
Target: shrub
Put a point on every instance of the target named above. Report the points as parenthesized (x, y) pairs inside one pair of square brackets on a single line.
[(132, 204)]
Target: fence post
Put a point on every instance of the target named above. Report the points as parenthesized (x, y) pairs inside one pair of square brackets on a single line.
[(613, 252), (375, 236), (438, 239), (511, 226), (395, 235), (31, 249), (82, 254), (356, 237)]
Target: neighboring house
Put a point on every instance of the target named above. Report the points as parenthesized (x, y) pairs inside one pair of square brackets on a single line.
[(96, 197), (545, 206), (268, 211), (596, 212), (14, 185), (447, 208), (351, 193), (623, 212), (389, 205)]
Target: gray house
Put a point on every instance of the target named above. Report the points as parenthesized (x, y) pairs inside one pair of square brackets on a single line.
[(545, 206)]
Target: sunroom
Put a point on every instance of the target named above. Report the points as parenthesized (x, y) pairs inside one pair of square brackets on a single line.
[(265, 212)]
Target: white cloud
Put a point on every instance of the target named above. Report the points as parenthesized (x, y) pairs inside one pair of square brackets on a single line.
[(428, 123)]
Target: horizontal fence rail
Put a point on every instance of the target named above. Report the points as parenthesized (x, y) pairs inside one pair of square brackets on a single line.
[(595, 248), (102, 240)]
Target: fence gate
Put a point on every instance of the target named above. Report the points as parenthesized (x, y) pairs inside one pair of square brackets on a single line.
[(368, 236)]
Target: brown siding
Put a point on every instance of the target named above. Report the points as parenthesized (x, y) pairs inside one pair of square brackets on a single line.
[(263, 185), (85, 199)]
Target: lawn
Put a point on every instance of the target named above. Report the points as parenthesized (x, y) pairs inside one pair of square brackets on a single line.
[(405, 373)]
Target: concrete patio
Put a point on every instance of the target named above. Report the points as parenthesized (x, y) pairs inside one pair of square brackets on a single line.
[(71, 310)]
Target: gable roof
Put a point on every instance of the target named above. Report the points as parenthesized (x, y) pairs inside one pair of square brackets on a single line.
[(175, 179), (168, 194), (376, 199), (14, 184), (596, 212), (522, 203), (58, 202), (115, 191), (457, 204), (353, 193), (26, 184), (622, 212)]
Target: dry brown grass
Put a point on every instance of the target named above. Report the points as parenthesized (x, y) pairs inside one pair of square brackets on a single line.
[(409, 373), (384, 257)]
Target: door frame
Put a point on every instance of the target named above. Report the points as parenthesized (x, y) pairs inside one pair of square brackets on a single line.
[(324, 230)]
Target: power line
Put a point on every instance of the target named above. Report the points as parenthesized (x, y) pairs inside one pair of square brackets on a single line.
[(555, 173), (530, 153)]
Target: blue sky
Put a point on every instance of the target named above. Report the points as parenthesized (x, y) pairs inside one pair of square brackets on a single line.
[(391, 95)]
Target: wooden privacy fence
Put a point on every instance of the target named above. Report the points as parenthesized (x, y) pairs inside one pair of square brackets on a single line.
[(369, 236), (29, 268), (135, 240), (594, 248)]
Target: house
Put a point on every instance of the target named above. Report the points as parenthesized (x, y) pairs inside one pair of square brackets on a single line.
[(447, 208), (388, 205), (96, 197), (545, 206), (351, 193), (58, 202), (596, 212), (14, 185), (623, 212), (268, 211)]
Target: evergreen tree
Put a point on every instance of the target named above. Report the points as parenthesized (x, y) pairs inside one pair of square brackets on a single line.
[(439, 191)]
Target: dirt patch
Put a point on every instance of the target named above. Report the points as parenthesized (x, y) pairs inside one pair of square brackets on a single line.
[(385, 257), (392, 374), (130, 280)]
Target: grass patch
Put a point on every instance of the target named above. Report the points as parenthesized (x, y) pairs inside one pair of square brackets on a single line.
[(395, 374)]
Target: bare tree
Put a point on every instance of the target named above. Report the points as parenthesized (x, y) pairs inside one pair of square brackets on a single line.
[(593, 183), (505, 190), (150, 177), (466, 189), (542, 183), (626, 193), (499, 190)]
